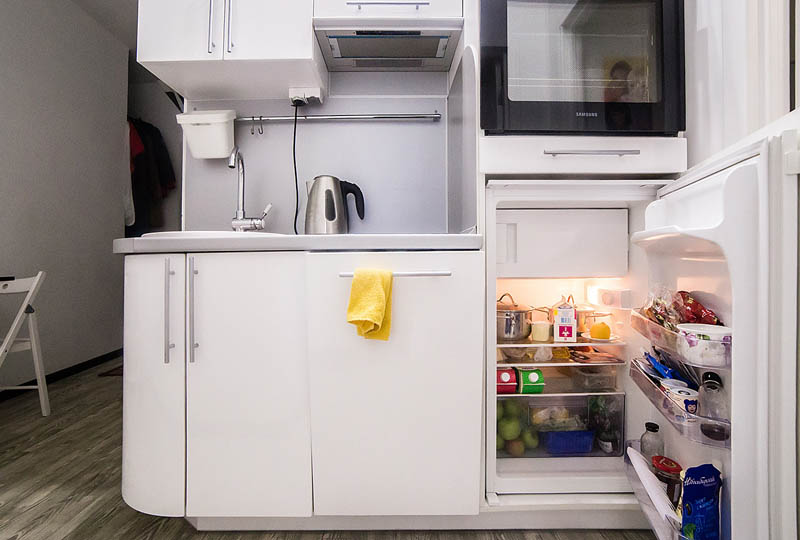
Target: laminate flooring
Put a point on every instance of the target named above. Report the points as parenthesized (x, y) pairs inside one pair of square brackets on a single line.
[(60, 478)]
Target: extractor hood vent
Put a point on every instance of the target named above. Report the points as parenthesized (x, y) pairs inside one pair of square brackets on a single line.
[(398, 45)]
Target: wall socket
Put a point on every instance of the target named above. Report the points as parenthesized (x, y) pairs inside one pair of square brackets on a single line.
[(305, 95)]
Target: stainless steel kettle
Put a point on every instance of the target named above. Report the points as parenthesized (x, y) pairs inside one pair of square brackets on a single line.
[(326, 209)]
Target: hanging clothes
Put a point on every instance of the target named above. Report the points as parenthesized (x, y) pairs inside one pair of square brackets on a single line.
[(152, 177)]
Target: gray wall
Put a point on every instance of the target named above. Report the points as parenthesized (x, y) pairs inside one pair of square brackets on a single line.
[(63, 99), (148, 101), (400, 166)]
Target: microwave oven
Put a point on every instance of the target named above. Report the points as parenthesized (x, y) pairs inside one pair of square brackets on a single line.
[(582, 66)]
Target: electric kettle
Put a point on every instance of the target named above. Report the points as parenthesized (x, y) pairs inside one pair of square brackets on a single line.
[(326, 209)]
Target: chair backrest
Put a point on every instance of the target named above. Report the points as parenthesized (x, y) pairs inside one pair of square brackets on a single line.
[(30, 286)]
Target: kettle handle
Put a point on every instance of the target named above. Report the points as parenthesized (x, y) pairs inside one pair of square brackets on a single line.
[(349, 188)]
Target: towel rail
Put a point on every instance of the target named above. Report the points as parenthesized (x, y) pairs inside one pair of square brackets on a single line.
[(432, 273), (435, 116)]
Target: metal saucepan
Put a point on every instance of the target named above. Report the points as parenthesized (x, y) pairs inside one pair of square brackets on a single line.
[(513, 320)]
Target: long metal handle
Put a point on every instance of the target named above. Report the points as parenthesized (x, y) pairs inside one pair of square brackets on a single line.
[(167, 345), (211, 44), (388, 116), (387, 3), (192, 343), (432, 273), (230, 16), (592, 152)]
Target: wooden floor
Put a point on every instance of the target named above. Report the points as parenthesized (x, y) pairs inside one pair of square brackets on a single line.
[(60, 477)]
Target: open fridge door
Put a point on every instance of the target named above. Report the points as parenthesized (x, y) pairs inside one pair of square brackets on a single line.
[(726, 232)]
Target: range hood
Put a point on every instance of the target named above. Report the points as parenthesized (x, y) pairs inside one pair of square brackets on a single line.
[(398, 45)]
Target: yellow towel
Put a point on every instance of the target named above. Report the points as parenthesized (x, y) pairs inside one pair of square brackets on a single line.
[(370, 308)]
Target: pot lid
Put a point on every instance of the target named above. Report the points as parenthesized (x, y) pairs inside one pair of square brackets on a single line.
[(511, 305), (667, 465)]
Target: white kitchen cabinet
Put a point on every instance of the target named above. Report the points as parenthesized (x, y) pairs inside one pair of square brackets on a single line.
[(396, 424), (248, 450), (194, 46), (562, 243), (153, 436), (407, 9), (186, 30)]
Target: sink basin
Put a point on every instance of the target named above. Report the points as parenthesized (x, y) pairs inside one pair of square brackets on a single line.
[(207, 234)]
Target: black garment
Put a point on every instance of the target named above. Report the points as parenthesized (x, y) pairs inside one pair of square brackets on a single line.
[(152, 179)]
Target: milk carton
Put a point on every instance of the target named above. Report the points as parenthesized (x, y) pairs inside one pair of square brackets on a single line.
[(565, 323)]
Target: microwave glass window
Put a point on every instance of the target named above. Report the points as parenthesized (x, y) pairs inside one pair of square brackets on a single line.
[(589, 51)]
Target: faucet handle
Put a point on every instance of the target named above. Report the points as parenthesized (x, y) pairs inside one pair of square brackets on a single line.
[(266, 210)]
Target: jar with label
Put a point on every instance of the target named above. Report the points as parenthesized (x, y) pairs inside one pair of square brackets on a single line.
[(652, 442), (669, 473)]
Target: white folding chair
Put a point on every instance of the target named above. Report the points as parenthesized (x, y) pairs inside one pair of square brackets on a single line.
[(12, 343)]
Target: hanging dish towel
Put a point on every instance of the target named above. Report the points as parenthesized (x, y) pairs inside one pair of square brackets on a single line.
[(370, 308)]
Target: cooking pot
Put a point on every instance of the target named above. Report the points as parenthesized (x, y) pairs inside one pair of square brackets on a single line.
[(513, 320)]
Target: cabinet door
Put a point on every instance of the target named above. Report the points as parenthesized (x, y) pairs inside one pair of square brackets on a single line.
[(258, 30), (180, 30), (248, 440), (153, 431), (396, 425), (407, 9)]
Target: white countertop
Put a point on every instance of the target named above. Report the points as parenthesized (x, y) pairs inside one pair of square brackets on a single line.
[(204, 241)]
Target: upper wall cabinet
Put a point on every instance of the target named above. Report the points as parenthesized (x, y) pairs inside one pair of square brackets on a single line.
[(407, 9), (194, 46)]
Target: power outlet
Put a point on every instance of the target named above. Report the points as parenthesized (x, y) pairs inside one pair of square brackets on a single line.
[(305, 95)]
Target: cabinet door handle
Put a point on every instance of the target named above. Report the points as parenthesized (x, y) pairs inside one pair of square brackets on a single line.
[(387, 3), (230, 25), (192, 343), (592, 152), (211, 44), (430, 273), (167, 345)]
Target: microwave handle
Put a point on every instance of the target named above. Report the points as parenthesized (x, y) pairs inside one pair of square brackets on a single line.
[(592, 152)]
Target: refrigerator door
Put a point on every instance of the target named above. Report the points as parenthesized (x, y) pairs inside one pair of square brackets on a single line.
[(727, 232)]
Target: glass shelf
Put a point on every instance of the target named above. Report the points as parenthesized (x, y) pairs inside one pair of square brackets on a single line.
[(696, 428), (706, 354), (582, 342)]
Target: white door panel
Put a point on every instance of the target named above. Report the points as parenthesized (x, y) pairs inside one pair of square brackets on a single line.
[(153, 430), (257, 30), (180, 30), (248, 446), (396, 426)]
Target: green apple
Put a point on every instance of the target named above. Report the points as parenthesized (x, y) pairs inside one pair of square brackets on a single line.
[(516, 448), (500, 442), (512, 409), (509, 428), (499, 409), (530, 438)]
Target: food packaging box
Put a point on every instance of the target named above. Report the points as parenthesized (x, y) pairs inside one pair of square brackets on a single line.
[(531, 381), (565, 323), (506, 381)]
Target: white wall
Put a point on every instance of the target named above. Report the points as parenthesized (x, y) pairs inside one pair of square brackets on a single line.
[(148, 101), (400, 166), (63, 99)]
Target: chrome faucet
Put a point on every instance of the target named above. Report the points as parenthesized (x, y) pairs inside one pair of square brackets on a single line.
[(241, 222)]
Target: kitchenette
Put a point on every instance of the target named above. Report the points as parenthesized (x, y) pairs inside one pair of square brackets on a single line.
[(450, 265)]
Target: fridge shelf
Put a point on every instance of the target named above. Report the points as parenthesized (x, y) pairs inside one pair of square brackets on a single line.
[(565, 363), (696, 428), (706, 354), (662, 529), (528, 343)]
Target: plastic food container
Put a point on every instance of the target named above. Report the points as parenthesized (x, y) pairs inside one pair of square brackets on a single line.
[(208, 133), (686, 398), (506, 381), (592, 379), (705, 344), (568, 442)]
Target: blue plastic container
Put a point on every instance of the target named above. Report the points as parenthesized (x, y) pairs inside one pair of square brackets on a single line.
[(568, 442)]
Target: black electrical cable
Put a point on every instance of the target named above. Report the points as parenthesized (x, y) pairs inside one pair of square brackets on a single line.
[(294, 159)]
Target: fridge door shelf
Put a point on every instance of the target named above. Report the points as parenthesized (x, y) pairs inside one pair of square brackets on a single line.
[(662, 529), (696, 428), (705, 354)]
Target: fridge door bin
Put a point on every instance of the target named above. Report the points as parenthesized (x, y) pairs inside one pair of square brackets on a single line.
[(708, 431), (706, 353)]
